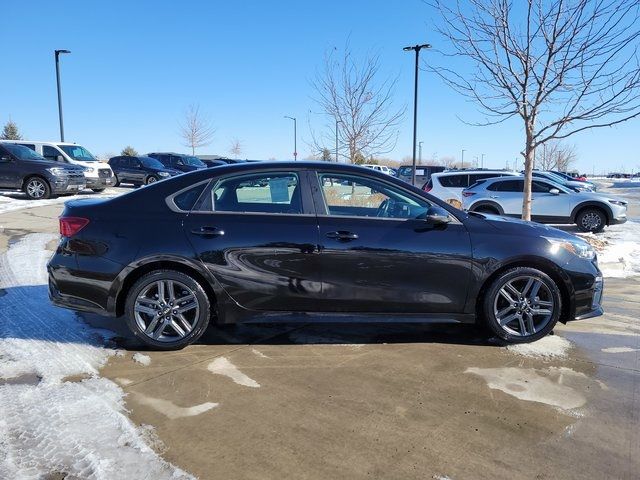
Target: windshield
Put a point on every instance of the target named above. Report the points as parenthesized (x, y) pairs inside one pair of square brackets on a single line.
[(193, 161), (23, 153), (151, 163), (76, 152)]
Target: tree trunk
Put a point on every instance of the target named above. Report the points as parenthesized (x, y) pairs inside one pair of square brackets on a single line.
[(529, 157)]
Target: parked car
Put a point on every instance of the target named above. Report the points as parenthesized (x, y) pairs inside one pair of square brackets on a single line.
[(139, 170), (177, 161), (571, 176), (619, 175), (448, 185), (212, 246), (551, 203), (378, 168), (23, 169), (98, 175), (210, 163), (570, 184), (423, 172)]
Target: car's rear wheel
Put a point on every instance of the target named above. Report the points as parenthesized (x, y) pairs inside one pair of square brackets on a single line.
[(522, 305), (167, 310), (591, 220), (37, 188), (98, 190), (151, 179)]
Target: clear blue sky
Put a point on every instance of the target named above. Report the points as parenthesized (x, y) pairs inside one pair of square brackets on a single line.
[(136, 66)]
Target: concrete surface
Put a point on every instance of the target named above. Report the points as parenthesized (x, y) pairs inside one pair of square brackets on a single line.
[(393, 402)]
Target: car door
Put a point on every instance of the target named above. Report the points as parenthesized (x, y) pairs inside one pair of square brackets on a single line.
[(508, 194), (9, 171), (379, 255), (546, 205), (257, 234), (138, 174)]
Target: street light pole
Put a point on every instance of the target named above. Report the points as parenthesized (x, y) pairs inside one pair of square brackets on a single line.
[(463, 150), (482, 161), (420, 152), (417, 49), (295, 137), (57, 54), (337, 121)]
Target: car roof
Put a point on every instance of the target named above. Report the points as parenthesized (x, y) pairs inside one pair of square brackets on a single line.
[(467, 172), (40, 142)]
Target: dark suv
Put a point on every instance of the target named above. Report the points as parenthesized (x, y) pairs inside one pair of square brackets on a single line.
[(23, 169), (139, 170), (178, 161)]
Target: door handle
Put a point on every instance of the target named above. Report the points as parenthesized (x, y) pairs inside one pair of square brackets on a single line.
[(208, 232), (342, 235), (493, 196)]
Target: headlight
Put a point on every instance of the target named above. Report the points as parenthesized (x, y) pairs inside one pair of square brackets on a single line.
[(577, 247), (618, 202), (89, 169), (163, 174), (58, 172)]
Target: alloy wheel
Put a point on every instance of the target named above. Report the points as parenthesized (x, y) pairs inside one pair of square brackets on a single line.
[(523, 306), (36, 189), (166, 310), (591, 221), (151, 180)]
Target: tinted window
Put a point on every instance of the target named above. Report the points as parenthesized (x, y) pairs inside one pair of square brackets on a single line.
[(351, 195), (50, 153), (507, 186), (187, 199), (22, 153), (29, 145), (455, 181), (474, 177), (151, 162), (257, 193), (540, 187)]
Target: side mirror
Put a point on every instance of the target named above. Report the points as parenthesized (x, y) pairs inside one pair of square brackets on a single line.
[(437, 216), (60, 158), (554, 191)]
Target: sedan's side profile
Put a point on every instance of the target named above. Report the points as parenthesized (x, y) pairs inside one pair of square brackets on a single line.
[(288, 241)]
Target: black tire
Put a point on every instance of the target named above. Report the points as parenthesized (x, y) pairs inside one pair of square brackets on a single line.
[(98, 190), (494, 302), (173, 341), (591, 219), (117, 182), (37, 188), (151, 179)]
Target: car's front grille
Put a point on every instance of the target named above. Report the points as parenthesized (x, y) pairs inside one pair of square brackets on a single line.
[(104, 173)]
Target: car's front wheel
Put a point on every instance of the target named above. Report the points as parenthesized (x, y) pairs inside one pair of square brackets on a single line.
[(151, 179), (98, 190), (167, 310), (591, 220), (522, 305), (37, 188)]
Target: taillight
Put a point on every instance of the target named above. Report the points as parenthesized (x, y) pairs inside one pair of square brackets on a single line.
[(427, 186), (69, 226), (467, 193)]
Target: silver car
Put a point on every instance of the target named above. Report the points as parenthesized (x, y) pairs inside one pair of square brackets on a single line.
[(551, 203)]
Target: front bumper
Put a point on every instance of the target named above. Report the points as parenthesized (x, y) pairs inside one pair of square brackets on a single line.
[(100, 182), (618, 220), (594, 307), (62, 185)]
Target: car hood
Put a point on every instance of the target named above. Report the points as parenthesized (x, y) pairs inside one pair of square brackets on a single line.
[(517, 226), (598, 196), (52, 164)]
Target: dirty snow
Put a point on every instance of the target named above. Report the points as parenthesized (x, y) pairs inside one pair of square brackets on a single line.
[(142, 359), (222, 366), (551, 346), (171, 410), (48, 426), (619, 350), (10, 202)]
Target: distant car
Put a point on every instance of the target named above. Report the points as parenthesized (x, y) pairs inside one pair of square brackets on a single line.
[(210, 163), (619, 175), (571, 175), (423, 173), (551, 203), (139, 170), (379, 168), (98, 175), (448, 185), (178, 161), (23, 169), (571, 184)]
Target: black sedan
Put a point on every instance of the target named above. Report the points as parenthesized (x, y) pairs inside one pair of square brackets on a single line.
[(277, 241), (139, 170)]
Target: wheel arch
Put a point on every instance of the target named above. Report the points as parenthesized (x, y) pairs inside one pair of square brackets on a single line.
[(487, 203), (545, 266), (34, 175), (133, 273), (593, 204)]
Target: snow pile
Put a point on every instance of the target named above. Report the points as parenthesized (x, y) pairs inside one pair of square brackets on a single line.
[(49, 426), (551, 346), (621, 256), (16, 201), (142, 359)]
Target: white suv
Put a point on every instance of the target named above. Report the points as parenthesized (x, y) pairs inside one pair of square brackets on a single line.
[(448, 185), (379, 168), (97, 174)]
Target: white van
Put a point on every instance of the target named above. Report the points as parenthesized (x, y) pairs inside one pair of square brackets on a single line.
[(97, 174)]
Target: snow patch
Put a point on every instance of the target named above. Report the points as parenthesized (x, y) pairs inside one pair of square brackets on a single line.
[(142, 359), (620, 257), (222, 366), (259, 353), (619, 350), (171, 410), (50, 426), (10, 202), (551, 346)]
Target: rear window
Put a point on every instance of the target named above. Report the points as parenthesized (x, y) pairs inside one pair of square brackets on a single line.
[(454, 181)]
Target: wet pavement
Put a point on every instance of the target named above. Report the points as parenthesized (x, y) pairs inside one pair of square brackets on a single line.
[(381, 401)]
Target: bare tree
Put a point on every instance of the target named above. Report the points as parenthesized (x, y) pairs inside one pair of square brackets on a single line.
[(236, 148), (351, 92), (197, 130), (560, 66), (554, 155)]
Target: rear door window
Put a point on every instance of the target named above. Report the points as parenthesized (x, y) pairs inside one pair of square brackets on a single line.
[(508, 186)]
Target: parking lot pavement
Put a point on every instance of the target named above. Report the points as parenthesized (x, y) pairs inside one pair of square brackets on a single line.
[(380, 401)]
